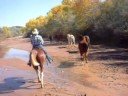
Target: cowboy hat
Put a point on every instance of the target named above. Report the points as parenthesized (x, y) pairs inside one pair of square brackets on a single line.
[(35, 31)]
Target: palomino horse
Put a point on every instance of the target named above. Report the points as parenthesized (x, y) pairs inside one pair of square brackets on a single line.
[(71, 39), (83, 47), (38, 59)]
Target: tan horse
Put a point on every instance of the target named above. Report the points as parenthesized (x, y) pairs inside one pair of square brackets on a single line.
[(83, 47), (38, 59)]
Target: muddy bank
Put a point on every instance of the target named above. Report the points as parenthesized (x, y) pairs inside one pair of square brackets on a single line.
[(3, 50), (106, 71), (104, 75), (19, 79)]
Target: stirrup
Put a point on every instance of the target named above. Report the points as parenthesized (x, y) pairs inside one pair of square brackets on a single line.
[(49, 60)]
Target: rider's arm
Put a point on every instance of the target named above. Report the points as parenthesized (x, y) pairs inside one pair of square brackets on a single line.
[(41, 39)]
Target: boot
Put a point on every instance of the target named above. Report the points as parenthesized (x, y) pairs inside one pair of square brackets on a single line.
[(29, 62), (49, 58)]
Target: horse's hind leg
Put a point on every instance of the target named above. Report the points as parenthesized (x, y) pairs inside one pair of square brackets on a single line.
[(85, 58), (42, 77), (41, 59), (41, 70), (38, 73)]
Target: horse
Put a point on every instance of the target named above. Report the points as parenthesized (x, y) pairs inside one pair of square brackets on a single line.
[(84, 47), (71, 39), (38, 58)]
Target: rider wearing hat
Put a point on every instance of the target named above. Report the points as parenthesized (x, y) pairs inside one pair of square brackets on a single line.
[(37, 42)]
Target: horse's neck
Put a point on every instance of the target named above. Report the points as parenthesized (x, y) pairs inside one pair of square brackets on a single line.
[(84, 41)]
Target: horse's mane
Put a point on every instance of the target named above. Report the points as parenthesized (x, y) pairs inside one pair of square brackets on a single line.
[(84, 40)]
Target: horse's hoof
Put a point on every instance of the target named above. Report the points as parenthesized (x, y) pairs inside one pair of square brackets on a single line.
[(39, 81), (42, 86)]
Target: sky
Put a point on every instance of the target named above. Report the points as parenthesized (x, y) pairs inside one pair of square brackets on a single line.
[(18, 12)]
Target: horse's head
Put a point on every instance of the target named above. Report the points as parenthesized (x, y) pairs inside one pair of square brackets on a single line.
[(87, 39), (68, 35), (84, 40)]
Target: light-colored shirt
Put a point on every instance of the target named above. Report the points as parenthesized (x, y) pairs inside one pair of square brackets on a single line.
[(36, 40)]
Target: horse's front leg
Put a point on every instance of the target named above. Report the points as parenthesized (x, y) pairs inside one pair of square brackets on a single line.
[(84, 59)]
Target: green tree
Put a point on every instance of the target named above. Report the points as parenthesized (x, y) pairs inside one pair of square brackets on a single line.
[(6, 31)]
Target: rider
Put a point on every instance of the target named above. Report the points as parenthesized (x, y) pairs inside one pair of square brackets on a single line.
[(37, 42)]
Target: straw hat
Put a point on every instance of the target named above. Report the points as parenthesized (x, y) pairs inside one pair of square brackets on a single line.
[(35, 31)]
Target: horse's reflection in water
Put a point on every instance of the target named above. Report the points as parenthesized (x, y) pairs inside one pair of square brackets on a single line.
[(38, 60)]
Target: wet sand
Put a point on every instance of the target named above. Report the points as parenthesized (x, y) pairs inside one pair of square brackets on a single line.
[(106, 73)]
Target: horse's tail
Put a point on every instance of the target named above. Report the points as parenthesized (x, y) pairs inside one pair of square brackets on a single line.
[(41, 56), (37, 57)]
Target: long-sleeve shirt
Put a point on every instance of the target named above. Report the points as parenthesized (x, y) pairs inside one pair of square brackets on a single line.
[(36, 40)]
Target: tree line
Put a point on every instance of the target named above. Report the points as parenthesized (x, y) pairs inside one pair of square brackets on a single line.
[(105, 22), (7, 32)]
